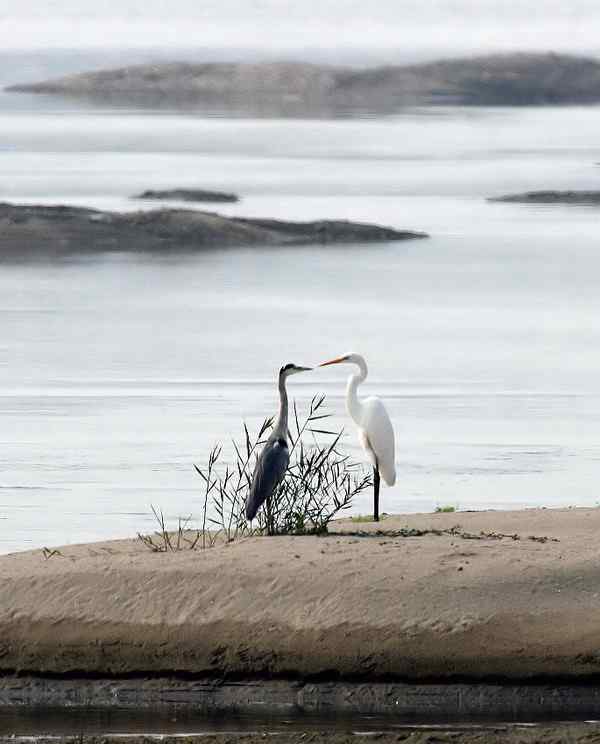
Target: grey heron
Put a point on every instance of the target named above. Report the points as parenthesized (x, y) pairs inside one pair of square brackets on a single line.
[(275, 456), (375, 430)]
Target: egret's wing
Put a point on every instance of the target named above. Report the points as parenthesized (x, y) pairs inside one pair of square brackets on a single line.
[(380, 434), (268, 474)]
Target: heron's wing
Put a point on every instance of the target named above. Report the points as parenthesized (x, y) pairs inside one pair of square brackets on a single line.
[(380, 434), (268, 474)]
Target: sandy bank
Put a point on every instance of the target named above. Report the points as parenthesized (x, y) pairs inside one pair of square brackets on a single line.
[(439, 605)]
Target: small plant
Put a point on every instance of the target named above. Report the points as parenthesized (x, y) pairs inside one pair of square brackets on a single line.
[(48, 553), (165, 541), (445, 509), (319, 483), (358, 518)]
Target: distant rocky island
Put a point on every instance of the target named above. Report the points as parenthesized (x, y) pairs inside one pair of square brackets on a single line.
[(27, 231), (551, 197), (500, 79), (187, 195)]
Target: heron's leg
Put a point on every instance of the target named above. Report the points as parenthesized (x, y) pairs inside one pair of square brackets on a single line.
[(376, 480), (269, 516)]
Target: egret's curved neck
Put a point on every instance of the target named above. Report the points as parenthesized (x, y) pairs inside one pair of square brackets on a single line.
[(353, 404), (281, 426)]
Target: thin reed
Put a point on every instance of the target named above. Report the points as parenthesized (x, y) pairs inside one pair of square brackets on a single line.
[(320, 482)]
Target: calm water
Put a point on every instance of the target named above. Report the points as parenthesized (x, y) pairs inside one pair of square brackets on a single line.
[(119, 372)]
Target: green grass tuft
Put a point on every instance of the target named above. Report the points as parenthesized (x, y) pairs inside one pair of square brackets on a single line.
[(445, 509), (362, 518)]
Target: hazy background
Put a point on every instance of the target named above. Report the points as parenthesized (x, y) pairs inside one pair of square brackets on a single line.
[(387, 29)]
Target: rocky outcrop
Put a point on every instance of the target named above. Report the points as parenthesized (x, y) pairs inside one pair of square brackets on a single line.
[(187, 195), (509, 79), (28, 230), (551, 197)]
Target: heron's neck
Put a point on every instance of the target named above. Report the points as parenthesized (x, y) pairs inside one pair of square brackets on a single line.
[(353, 403), (281, 427)]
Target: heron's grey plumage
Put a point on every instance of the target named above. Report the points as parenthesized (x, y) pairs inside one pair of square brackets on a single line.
[(268, 474), (275, 456)]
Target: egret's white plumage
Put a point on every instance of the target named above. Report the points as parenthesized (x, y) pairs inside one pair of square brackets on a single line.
[(376, 435), (375, 430)]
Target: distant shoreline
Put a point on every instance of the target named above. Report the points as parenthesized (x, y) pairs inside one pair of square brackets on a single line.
[(515, 79)]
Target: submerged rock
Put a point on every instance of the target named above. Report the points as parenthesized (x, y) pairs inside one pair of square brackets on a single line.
[(551, 197), (29, 230), (188, 195)]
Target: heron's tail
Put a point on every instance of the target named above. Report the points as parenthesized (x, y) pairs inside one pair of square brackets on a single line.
[(251, 510), (253, 504)]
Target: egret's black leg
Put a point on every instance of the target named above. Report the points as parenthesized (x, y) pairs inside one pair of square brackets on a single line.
[(376, 480)]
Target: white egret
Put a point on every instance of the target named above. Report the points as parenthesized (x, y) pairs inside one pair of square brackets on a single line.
[(375, 431)]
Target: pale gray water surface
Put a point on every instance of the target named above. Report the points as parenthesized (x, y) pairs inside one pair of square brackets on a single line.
[(119, 372)]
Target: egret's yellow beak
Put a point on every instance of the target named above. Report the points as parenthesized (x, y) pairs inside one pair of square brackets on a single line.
[(337, 360)]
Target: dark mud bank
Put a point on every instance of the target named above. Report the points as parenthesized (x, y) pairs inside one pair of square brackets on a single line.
[(426, 702)]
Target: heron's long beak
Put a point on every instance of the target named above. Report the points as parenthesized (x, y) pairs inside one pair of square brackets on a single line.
[(304, 369), (337, 360)]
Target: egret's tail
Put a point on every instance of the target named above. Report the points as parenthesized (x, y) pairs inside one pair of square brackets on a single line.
[(388, 474)]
